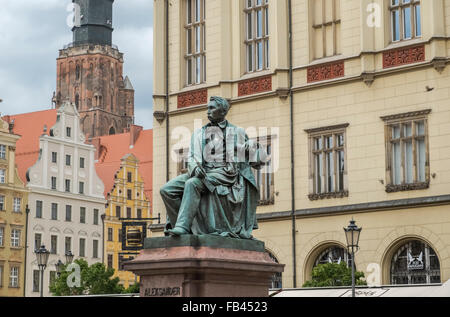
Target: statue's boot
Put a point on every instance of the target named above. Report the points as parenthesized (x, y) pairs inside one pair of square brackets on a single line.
[(177, 231)]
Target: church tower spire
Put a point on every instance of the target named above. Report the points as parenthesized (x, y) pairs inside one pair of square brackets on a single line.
[(90, 73)]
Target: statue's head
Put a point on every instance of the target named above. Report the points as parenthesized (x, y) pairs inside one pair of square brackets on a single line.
[(217, 109)]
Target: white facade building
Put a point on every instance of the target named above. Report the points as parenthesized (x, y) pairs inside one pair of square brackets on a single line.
[(66, 200)]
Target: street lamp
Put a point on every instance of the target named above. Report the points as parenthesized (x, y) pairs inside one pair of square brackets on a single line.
[(352, 233), (42, 258), (59, 266), (69, 257)]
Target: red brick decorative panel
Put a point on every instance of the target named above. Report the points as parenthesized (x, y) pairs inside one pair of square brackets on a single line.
[(255, 85), (325, 71), (191, 98), (403, 56)]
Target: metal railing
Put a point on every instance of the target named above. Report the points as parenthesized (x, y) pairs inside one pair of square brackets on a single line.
[(73, 44)]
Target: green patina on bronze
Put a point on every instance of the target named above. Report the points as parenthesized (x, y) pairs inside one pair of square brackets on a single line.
[(204, 241), (218, 195)]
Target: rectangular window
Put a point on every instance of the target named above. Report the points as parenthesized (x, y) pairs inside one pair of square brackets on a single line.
[(95, 249), (128, 212), (326, 28), (195, 58), (2, 202), (118, 212), (2, 151), (82, 247), (120, 235), (52, 277), (407, 159), (257, 34), (14, 277), (129, 177), (81, 162), (82, 215), (37, 241), (1, 275), (17, 204), (68, 132), (54, 157), (2, 176), (327, 162), (36, 281), (68, 185), (68, 159), (2, 234), (81, 188), (405, 19), (182, 157), (110, 261), (264, 176), (53, 244), (139, 213), (129, 194), (15, 238), (38, 208), (96, 213), (54, 211), (68, 213), (53, 182), (110, 234), (67, 245)]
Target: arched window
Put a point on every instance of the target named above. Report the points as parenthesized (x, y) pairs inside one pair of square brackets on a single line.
[(112, 131), (77, 72), (333, 254), (415, 262), (276, 281)]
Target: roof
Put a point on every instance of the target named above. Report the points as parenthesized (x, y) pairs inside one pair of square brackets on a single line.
[(422, 290), (30, 127), (127, 83), (114, 147)]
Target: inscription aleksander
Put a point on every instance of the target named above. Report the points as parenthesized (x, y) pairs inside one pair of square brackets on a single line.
[(164, 291)]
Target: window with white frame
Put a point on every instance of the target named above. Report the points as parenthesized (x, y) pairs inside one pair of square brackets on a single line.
[(257, 34), (2, 202), (14, 277), (2, 175), (15, 238), (53, 182), (407, 159), (405, 18), (17, 204), (2, 151), (195, 58), (264, 177), (328, 170), (326, 28), (2, 234)]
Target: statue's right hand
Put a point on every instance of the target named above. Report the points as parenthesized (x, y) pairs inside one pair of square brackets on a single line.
[(200, 173)]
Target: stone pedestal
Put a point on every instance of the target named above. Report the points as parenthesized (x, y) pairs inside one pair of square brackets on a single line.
[(203, 266)]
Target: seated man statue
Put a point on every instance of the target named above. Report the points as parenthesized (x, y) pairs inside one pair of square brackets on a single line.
[(218, 195)]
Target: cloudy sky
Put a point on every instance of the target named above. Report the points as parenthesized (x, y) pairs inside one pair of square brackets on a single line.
[(33, 31)]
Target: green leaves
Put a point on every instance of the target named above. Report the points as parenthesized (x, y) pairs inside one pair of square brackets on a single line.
[(333, 274)]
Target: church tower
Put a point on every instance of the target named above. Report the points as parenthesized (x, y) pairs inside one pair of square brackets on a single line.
[(89, 73)]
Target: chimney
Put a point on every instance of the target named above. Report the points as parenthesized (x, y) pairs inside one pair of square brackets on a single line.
[(135, 130)]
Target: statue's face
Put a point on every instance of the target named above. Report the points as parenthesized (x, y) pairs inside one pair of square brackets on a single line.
[(215, 112)]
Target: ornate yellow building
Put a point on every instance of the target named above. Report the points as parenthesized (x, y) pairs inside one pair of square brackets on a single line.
[(352, 100), (125, 200), (13, 217)]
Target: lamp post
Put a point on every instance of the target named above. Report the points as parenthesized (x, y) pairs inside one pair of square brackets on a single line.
[(42, 258), (59, 266), (352, 233), (69, 257)]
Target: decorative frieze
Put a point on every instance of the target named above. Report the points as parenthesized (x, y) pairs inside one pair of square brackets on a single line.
[(325, 71), (255, 85), (192, 98), (403, 56), (320, 196), (406, 187)]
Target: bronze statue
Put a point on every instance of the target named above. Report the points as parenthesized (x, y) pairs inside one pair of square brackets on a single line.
[(218, 195)]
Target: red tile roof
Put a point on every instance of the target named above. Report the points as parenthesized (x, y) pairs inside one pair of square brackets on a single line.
[(114, 147), (30, 127)]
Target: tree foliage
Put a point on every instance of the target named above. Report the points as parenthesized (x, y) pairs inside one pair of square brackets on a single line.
[(333, 274), (94, 279)]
